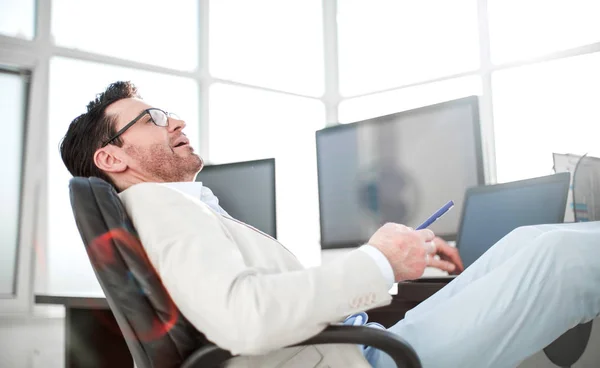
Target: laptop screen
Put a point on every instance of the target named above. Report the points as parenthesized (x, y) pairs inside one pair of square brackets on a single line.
[(493, 211)]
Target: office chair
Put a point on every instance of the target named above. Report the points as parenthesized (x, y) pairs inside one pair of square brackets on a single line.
[(156, 332), (586, 189), (568, 348)]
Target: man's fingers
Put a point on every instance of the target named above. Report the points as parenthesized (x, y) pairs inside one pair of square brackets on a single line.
[(449, 253), (401, 228), (442, 265), (426, 235), (430, 247)]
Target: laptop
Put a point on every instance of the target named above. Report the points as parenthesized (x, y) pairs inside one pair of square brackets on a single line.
[(490, 212)]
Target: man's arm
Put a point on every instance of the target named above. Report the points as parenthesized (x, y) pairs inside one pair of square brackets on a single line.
[(384, 265), (243, 309)]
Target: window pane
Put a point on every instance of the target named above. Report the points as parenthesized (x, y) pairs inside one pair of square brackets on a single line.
[(247, 124), (13, 102), (149, 31), (73, 84), (271, 43), (389, 43), (521, 29), (545, 108), (17, 18), (385, 103)]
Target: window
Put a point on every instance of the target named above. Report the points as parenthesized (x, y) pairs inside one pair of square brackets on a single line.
[(148, 31), (17, 18), (73, 84), (270, 43), (385, 103), (521, 29), (388, 43), (545, 108), (265, 71), (13, 105), (247, 124)]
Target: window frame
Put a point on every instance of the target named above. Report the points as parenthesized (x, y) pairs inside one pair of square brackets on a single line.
[(25, 75), (21, 299)]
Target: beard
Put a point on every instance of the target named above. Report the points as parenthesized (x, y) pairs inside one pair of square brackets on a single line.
[(164, 164)]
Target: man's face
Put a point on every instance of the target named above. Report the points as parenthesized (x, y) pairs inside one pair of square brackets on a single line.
[(154, 152)]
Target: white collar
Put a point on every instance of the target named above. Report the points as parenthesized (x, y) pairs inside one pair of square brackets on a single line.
[(197, 190)]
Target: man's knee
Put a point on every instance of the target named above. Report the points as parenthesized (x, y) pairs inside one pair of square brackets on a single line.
[(556, 245), (524, 234)]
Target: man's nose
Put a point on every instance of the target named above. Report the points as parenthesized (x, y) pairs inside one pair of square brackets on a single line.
[(175, 124)]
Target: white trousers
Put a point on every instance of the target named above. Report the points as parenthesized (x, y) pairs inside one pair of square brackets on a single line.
[(523, 293)]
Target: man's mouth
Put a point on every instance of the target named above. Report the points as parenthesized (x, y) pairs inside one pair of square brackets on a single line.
[(181, 141)]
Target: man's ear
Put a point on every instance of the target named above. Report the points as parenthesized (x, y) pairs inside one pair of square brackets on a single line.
[(110, 159)]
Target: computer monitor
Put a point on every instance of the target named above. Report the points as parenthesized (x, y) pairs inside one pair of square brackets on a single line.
[(246, 190), (397, 168), (491, 212)]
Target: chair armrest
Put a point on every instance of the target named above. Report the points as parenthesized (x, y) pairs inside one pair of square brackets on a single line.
[(399, 350), (208, 356)]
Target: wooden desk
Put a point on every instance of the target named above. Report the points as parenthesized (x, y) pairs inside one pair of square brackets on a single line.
[(93, 338), (410, 294)]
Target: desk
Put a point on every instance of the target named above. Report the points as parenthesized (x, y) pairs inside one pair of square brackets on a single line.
[(93, 338), (410, 294)]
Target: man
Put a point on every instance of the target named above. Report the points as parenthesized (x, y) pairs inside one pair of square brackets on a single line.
[(249, 295)]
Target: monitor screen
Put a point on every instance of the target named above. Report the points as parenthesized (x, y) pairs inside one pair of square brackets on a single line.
[(246, 190), (493, 211), (397, 168)]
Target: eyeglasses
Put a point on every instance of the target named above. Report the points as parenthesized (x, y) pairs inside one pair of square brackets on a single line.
[(157, 116)]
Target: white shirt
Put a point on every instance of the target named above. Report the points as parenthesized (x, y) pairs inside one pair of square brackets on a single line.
[(196, 189)]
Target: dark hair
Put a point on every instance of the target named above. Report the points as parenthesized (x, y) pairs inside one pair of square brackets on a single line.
[(88, 131)]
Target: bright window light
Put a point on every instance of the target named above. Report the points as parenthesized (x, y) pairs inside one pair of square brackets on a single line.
[(521, 29), (13, 89), (385, 103), (389, 43), (271, 43), (248, 124), (17, 18), (545, 108), (163, 33)]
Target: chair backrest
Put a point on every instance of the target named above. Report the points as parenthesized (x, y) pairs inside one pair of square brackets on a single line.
[(586, 189), (157, 334), (569, 347)]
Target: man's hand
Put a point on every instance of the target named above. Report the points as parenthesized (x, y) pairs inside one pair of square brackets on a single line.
[(407, 250), (449, 258)]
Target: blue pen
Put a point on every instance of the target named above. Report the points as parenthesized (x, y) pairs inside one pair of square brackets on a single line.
[(439, 213)]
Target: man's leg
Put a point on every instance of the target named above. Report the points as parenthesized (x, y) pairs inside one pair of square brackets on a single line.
[(507, 247), (512, 307)]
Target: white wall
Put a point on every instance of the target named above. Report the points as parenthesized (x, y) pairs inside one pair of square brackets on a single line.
[(32, 342)]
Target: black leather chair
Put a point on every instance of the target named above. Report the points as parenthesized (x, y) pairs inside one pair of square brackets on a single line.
[(157, 334)]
